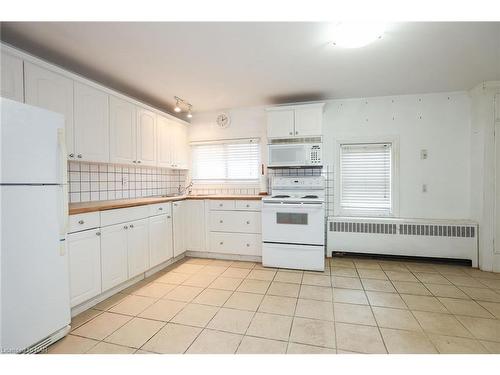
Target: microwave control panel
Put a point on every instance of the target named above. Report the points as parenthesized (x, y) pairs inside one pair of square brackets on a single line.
[(315, 155)]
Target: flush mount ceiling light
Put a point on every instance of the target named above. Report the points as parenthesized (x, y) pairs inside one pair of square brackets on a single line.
[(180, 103), (356, 34)]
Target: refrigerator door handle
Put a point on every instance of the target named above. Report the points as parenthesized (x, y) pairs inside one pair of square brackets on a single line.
[(61, 140)]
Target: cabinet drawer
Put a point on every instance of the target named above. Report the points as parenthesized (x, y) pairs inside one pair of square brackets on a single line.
[(250, 205), (236, 243), (160, 209), (221, 205), (81, 222), (122, 215), (235, 221)]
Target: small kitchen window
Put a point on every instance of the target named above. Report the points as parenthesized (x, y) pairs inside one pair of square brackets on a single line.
[(366, 177), (226, 161)]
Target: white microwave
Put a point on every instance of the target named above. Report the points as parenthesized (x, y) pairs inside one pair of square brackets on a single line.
[(295, 155)]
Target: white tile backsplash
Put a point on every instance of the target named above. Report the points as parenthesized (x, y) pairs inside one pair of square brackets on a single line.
[(94, 182)]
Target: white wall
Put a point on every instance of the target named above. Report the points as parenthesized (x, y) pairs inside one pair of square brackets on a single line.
[(439, 123), (483, 193)]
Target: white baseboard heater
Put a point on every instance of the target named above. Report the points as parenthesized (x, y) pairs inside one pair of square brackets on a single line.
[(404, 237)]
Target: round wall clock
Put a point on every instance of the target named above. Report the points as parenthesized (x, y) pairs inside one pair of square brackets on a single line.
[(223, 120)]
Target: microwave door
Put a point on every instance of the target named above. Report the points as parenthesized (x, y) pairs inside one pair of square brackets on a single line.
[(287, 155)]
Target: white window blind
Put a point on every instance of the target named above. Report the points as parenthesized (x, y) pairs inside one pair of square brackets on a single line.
[(227, 160), (365, 178)]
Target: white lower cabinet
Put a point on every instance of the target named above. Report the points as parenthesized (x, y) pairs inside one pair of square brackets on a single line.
[(195, 225), (114, 264), (84, 257), (160, 239), (179, 227), (138, 247), (236, 243)]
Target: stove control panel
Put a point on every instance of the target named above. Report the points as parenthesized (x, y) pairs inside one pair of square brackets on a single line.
[(299, 183)]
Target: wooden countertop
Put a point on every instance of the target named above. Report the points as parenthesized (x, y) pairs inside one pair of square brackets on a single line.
[(84, 207)]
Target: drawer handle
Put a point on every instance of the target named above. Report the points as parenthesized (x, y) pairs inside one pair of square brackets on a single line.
[(125, 227), (81, 222), (168, 216), (221, 221), (71, 155), (248, 245), (220, 205), (248, 205), (248, 222), (160, 208), (221, 243), (131, 225), (97, 233)]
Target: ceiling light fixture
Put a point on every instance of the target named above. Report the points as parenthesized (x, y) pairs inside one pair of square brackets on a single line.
[(356, 34), (181, 103)]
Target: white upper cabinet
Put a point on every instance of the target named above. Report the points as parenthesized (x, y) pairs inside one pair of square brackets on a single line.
[(122, 131), (308, 120), (295, 121), (146, 137), (91, 123), (46, 89), (280, 123), (12, 77), (165, 143), (180, 148)]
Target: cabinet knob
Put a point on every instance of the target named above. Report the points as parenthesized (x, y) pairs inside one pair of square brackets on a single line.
[(248, 245), (221, 221), (134, 161), (125, 227), (97, 233), (248, 222), (131, 225), (290, 133), (79, 156), (81, 222), (296, 133), (220, 205), (221, 243), (160, 208), (71, 155), (168, 217), (138, 161), (248, 205)]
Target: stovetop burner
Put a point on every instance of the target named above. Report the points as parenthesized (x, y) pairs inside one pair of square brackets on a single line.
[(310, 197), (280, 196)]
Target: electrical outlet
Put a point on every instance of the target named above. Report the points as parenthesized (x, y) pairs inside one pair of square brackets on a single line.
[(125, 181), (424, 188), (423, 154)]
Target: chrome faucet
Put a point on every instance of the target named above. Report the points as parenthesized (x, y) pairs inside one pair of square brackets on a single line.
[(180, 190)]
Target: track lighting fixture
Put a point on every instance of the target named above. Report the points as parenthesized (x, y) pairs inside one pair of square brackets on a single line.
[(180, 103)]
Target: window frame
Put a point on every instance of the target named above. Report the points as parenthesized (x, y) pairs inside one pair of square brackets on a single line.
[(227, 180), (394, 141)]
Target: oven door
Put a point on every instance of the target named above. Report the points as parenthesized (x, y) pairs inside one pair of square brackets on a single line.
[(293, 223), (293, 155)]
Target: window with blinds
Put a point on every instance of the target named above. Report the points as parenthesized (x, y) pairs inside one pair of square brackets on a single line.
[(232, 160), (366, 179)]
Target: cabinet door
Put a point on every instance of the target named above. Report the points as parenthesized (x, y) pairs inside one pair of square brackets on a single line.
[(114, 255), (165, 141), (84, 256), (46, 89), (11, 84), (138, 247), (160, 239), (91, 123), (122, 131), (280, 123), (146, 137), (179, 228), (308, 121), (195, 216), (180, 147)]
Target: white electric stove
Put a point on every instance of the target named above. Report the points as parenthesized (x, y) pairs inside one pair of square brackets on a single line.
[(293, 224)]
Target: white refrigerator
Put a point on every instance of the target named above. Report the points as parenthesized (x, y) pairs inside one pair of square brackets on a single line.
[(35, 307)]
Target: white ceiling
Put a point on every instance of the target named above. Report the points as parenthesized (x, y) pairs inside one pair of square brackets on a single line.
[(225, 65)]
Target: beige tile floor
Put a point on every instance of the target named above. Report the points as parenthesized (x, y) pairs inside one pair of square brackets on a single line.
[(355, 306)]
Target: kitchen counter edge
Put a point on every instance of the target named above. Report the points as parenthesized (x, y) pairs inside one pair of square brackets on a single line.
[(81, 208)]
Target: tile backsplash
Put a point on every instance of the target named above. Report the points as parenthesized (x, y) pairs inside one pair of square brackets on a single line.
[(226, 189), (97, 181)]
